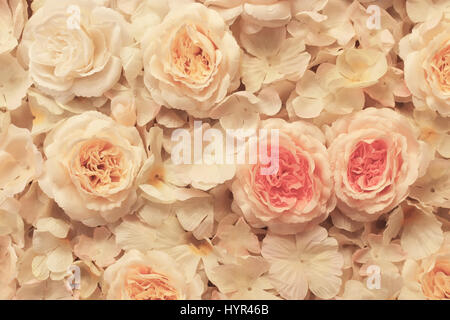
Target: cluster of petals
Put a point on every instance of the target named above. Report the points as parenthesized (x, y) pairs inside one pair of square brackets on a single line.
[(224, 149)]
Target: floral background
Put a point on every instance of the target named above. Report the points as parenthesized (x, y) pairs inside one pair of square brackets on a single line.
[(93, 207)]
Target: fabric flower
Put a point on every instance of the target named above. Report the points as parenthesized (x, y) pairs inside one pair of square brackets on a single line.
[(13, 15), (255, 14), (272, 57), (315, 93), (307, 261), (375, 157), (151, 276), (91, 166), (191, 66), (14, 82), (72, 48), (299, 192), (8, 268), (426, 54), (20, 160), (430, 278)]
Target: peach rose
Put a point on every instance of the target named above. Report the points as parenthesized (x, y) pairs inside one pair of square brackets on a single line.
[(300, 193), (428, 278), (436, 282), (20, 160), (153, 276), (191, 60), (91, 166), (426, 53), (375, 157), (72, 48), (13, 15)]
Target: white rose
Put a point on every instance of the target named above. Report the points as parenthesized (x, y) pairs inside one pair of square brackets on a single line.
[(191, 60), (72, 48), (426, 53), (91, 167)]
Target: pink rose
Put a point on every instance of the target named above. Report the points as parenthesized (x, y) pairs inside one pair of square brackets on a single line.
[(300, 193), (375, 157)]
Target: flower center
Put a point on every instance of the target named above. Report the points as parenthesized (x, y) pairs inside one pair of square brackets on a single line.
[(193, 54), (290, 187), (436, 283), (441, 68), (142, 283), (99, 166), (367, 164)]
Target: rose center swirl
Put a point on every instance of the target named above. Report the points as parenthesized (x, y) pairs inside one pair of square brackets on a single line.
[(143, 283), (367, 165), (99, 165)]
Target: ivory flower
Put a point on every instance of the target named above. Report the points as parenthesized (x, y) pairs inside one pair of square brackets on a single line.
[(321, 22), (315, 93), (11, 238), (430, 278), (163, 181), (14, 82), (255, 14), (299, 192), (150, 276), (375, 157), (191, 60), (50, 256), (224, 149), (7, 268), (433, 189), (272, 57), (72, 48), (13, 15), (307, 261), (426, 53), (91, 167), (100, 248), (359, 68), (244, 280), (20, 160)]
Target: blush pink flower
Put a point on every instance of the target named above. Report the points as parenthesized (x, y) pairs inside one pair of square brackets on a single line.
[(375, 156), (299, 194)]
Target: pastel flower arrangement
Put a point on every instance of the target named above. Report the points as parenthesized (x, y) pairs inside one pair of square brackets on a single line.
[(114, 115)]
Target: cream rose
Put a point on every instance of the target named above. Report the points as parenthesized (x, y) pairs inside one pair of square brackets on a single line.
[(91, 166), (300, 193), (375, 157), (191, 60), (426, 53), (72, 48), (436, 282), (20, 160), (13, 15), (151, 276), (428, 278)]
